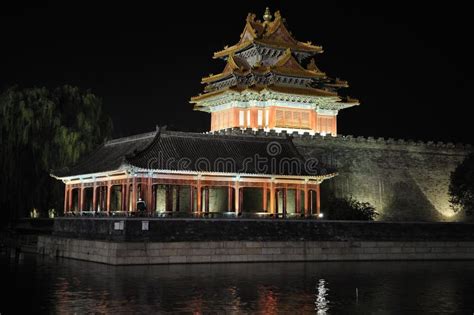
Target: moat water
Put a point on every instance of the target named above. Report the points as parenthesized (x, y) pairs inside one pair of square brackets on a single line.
[(35, 284)]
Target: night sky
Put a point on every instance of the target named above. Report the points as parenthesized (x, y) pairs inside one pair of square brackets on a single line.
[(411, 66)]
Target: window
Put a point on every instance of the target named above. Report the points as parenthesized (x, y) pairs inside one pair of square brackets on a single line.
[(260, 118), (241, 118)]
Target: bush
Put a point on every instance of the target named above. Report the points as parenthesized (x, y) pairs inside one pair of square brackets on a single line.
[(349, 209), (461, 187)]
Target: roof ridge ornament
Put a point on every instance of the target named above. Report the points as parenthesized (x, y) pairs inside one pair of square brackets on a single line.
[(267, 16)]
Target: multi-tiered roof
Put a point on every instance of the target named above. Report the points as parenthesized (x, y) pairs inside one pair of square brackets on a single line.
[(268, 63)]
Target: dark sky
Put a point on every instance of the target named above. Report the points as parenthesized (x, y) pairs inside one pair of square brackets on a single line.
[(411, 65)]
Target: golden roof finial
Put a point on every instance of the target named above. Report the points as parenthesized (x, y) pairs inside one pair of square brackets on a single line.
[(267, 16)]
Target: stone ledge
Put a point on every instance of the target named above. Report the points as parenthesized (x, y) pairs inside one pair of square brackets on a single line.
[(127, 253)]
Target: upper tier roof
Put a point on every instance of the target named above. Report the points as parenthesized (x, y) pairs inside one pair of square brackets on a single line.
[(270, 33), (196, 152), (285, 65)]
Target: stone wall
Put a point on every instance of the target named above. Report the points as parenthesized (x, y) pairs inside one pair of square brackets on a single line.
[(129, 241), (133, 253), (405, 180), (202, 230)]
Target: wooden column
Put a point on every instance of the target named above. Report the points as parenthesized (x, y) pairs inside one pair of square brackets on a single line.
[(207, 199), (297, 201), (125, 196), (264, 191), (191, 198), (277, 207), (306, 197), (102, 190), (236, 198), (81, 197), (148, 195), (109, 190), (311, 202), (318, 201), (66, 190), (94, 197), (70, 199), (285, 190), (272, 198), (229, 198), (241, 199), (134, 194), (178, 191), (153, 197), (199, 196)]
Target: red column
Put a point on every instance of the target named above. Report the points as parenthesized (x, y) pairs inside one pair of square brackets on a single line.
[(199, 196), (241, 199), (178, 191), (264, 191), (134, 194), (81, 197), (191, 198), (109, 190), (306, 197), (124, 195), (318, 201), (272, 198), (148, 194), (65, 197), (207, 199), (277, 192), (94, 197), (70, 198), (153, 198), (229, 198), (237, 198), (297, 201)]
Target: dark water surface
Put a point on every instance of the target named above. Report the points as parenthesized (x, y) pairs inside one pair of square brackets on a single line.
[(34, 284)]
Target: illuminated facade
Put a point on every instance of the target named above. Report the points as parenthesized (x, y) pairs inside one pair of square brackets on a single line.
[(271, 81), (182, 172), (264, 87)]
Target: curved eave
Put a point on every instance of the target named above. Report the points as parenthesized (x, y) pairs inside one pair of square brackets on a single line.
[(297, 91), (347, 104), (302, 73), (250, 175), (232, 49), (299, 47), (284, 91), (122, 170)]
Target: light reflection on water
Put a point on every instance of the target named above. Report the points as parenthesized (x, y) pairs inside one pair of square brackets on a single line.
[(67, 286), (321, 298)]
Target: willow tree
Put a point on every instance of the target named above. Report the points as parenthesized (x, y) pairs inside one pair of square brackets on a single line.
[(40, 130)]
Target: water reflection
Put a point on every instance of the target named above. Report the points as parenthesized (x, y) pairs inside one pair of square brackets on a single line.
[(321, 301), (68, 286)]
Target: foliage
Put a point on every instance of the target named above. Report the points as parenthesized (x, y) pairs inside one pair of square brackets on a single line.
[(349, 209), (461, 187), (40, 130)]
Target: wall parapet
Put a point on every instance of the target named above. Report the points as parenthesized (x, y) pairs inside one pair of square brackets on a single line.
[(348, 139), (174, 229)]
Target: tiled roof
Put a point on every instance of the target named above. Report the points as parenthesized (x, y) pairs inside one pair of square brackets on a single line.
[(107, 157), (196, 152)]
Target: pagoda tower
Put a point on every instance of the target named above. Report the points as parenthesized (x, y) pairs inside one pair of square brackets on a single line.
[(271, 81)]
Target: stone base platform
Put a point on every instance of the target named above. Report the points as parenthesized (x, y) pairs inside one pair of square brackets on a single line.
[(140, 253)]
